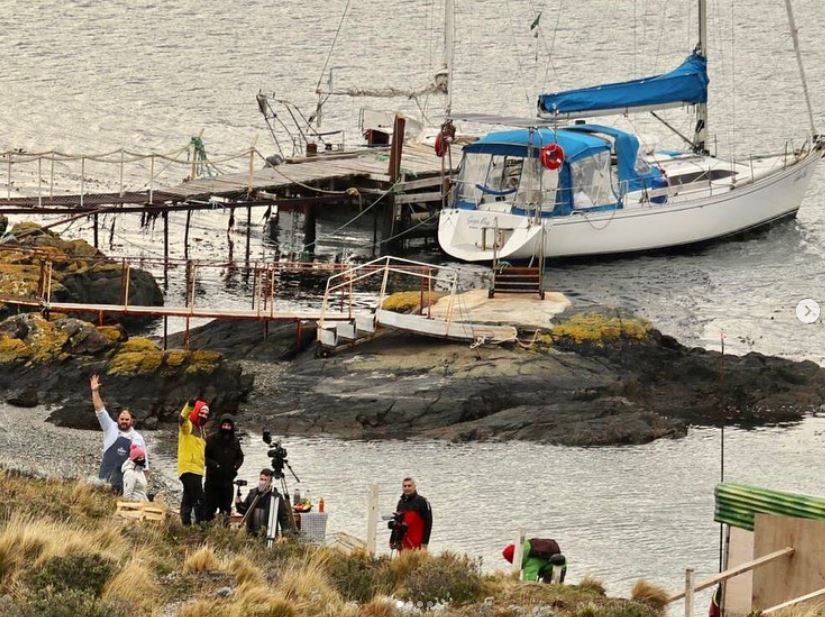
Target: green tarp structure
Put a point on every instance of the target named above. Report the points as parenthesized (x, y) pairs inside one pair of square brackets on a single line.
[(736, 504)]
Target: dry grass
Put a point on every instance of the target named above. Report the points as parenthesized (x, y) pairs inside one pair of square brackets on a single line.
[(203, 608), (406, 562), (592, 585), (307, 585), (380, 606), (245, 571), (134, 585), (648, 593), (202, 561), (815, 609), (257, 601)]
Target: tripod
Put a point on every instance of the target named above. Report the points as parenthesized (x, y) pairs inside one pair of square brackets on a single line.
[(272, 519), (278, 465)]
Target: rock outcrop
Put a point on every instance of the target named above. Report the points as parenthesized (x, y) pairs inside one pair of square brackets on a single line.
[(599, 377), (49, 362), (80, 273)]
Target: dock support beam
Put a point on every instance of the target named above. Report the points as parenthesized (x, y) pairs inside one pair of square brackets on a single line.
[(391, 209), (310, 228), (165, 250)]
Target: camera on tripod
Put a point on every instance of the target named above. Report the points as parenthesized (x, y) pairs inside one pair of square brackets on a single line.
[(277, 454), (399, 530)]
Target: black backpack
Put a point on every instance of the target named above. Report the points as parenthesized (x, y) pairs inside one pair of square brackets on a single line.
[(543, 548)]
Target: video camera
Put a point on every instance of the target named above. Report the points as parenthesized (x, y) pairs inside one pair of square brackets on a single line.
[(399, 530), (277, 454)]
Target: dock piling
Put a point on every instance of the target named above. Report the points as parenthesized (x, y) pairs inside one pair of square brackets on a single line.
[(518, 555)]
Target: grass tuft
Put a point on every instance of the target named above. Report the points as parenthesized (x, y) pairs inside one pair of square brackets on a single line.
[(648, 593), (202, 561)]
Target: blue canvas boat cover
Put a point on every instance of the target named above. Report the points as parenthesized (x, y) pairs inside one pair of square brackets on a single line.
[(517, 142), (627, 154), (688, 83)]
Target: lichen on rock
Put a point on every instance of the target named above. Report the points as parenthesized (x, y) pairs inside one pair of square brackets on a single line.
[(599, 328), (409, 301)]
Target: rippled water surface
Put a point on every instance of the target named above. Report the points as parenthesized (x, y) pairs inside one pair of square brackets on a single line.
[(87, 77)]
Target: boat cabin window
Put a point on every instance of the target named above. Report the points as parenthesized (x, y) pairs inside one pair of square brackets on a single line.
[(537, 186), (485, 178), (700, 176), (592, 181)]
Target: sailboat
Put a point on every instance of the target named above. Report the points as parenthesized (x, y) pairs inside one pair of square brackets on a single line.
[(557, 186)]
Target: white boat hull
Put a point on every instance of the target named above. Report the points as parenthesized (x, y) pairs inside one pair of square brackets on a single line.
[(468, 234)]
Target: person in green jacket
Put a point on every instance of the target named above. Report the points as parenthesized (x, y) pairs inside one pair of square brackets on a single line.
[(192, 459), (539, 556)]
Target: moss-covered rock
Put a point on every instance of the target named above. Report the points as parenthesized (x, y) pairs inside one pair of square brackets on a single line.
[(80, 273), (600, 328), (409, 301), (50, 362)]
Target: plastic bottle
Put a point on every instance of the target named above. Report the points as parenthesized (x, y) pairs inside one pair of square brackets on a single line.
[(296, 496), (321, 504)]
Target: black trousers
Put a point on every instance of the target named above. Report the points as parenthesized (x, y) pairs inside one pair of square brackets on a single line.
[(192, 500), (217, 497)]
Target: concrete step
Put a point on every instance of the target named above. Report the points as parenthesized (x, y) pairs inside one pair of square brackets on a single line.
[(365, 325), (346, 330), (327, 337)]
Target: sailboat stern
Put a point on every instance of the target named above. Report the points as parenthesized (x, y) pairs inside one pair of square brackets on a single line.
[(478, 235)]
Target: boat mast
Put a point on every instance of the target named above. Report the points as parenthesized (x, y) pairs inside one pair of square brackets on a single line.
[(701, 131), (792, 23), (449, 49)]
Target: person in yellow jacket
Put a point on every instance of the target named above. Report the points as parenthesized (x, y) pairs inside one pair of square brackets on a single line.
[(191, 458)]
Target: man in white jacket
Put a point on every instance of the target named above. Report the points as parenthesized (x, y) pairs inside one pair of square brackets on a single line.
[(118, 438)]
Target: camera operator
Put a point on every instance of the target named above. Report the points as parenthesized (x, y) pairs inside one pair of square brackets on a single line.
[(417, 517), (224, 457), (258, 501)]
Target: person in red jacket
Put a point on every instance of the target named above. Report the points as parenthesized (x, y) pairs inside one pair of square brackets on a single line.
[(417, 517)]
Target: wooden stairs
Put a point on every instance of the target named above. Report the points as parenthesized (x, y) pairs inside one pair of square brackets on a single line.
[(517, 280)]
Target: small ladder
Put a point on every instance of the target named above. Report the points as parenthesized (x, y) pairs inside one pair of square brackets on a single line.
[(518, 280)]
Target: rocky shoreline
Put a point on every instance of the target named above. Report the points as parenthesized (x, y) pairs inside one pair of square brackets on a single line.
[(596, 376), (601, 377)]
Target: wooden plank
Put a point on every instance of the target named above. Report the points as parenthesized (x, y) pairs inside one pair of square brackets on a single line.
[(423, 183), (730, 573), (412, 198), (802, 574)]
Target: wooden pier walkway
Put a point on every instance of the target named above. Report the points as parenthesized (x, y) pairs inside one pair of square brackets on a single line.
[(308, 177)]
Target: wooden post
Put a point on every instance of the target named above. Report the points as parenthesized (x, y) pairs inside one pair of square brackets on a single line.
[(690, 576), (372, 519), (310, 232), (126, 288), (121, 172), (186, 235), (248, 231), (82, 178), (518, 554), (39, 181), (165, 331), (251, 182), (394, 172), (94, 228), (151, 177), (8, 180), (51, 179), (165, 249)]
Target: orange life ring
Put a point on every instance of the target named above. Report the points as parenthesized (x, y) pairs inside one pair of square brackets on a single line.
[(552, 156), (441, 145)]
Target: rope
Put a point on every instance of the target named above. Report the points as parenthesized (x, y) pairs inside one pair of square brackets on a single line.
[(332, 47)]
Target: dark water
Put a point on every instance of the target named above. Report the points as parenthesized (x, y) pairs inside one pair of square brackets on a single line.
[(83, 77)]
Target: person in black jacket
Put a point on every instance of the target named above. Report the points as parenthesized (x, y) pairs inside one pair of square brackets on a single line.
[(417, 518), (224, 457), (258, 500)]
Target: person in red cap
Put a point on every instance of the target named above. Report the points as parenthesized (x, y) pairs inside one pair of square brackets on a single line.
[(539, 555), (192, 459), (134, 479)]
